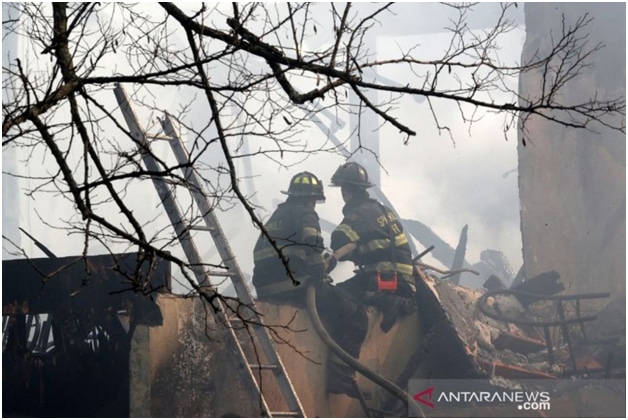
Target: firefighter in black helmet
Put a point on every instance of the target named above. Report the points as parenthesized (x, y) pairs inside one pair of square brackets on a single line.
[(351, 174), (373, 239), (295, 228)]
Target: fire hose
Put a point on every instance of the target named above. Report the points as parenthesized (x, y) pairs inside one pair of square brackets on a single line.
[(345, 357)]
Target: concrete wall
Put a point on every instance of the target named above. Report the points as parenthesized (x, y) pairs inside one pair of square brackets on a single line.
[(573, 182), (182, 368)]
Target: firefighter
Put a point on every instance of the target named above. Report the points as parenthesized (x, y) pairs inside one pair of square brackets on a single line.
[(373, 239), (295, 228)]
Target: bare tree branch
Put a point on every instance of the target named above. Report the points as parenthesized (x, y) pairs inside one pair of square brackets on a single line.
[(267, 73)]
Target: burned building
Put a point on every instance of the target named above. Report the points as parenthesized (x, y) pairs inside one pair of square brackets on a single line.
[(91, 347), (80, 339)]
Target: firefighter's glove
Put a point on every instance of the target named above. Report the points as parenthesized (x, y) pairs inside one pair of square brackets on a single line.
[(330, 262)]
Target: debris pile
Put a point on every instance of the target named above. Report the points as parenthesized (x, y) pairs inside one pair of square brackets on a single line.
[(526, 332)]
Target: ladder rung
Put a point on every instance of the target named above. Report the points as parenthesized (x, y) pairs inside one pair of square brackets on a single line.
[(204, 228), (158, 137), (221, 273), (234, 320), (284, 414), (238, 319), (264, 367)]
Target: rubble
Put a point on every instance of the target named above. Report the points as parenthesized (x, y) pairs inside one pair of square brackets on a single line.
[(506, 336), (166, 357), (518, 343)]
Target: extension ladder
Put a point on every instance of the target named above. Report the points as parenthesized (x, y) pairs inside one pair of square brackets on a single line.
[(272, 361)]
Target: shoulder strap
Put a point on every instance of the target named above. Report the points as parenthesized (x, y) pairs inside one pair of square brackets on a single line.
[(391, 234)]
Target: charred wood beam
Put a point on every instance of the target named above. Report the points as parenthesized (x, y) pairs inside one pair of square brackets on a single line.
[(45, 285), (39, 245), (566, 336), (545, 284), (483, 306), (459, 254), (443, 252), (550, 346), (494, 283), (423, 254)]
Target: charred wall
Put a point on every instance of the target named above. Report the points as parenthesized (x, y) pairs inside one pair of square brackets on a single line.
[(78, 342), (65, 349), (572, 182), (183, 367)]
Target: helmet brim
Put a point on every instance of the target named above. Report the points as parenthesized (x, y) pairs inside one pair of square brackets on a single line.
[(319, 197), (353, 184)]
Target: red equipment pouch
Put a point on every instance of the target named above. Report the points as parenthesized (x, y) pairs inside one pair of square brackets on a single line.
[(386, 285)]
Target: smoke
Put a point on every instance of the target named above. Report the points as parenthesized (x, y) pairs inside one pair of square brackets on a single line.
[(444, 181)]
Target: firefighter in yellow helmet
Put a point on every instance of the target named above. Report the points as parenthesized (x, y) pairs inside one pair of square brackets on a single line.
[(295, 228), (373, 239)]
